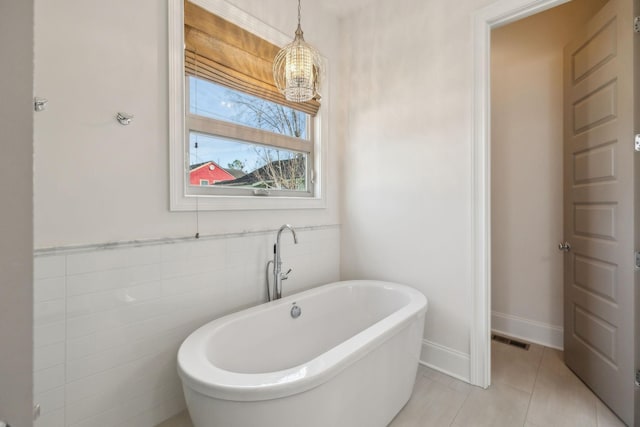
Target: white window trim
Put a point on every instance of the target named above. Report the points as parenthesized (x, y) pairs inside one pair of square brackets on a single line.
[(256, 137), (179, 200)]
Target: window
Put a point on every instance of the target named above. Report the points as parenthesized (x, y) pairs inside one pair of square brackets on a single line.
[(263, 147), (234, 137)]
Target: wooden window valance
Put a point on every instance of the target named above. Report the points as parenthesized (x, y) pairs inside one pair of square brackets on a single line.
[(224, 53)]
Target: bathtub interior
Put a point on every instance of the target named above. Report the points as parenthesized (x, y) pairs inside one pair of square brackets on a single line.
[(273, 341)]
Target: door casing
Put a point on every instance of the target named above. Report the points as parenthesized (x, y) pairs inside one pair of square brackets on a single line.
[(499, 13), (492, 16)]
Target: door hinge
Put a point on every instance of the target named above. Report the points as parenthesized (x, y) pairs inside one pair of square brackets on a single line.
[(636, 24), (638, 260), (637, 142), (638, 378)]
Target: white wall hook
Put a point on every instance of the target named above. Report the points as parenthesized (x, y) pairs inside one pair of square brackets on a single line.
[(39, 104), (124, 118)]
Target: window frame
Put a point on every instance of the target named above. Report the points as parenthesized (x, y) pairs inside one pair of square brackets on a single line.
[(250, 135), (183, 198)]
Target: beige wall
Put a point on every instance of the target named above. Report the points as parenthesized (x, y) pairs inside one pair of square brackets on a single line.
[(16, 215), (526, 162), (97, 181)]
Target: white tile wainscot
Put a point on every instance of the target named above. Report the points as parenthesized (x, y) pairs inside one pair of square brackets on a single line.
[(108, 319)]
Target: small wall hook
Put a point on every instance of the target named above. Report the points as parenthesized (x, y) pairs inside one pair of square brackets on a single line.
[(124, 118), (39, 104)]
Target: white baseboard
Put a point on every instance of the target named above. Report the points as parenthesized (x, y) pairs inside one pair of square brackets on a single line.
[(446, 360), (528, 330)]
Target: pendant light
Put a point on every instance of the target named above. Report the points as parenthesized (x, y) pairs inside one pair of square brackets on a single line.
[(296, 69)]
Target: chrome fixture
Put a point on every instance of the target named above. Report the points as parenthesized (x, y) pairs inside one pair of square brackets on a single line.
[(564, 247), (296, 311), (296, 69), (278, 275), (39, 104), (124, 118)]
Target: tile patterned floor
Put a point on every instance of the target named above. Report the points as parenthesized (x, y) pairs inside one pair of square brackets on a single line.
[(529, 389)]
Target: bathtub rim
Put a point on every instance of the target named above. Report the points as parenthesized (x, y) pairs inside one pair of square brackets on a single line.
[(199, 374)]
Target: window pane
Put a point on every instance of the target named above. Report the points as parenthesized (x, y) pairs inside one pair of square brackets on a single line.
[(230, 163), (218, 102)]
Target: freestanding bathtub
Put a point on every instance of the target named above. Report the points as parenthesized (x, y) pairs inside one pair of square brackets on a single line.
[(348, 359)]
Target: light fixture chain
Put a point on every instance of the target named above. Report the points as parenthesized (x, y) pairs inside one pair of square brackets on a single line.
[(298, 13)]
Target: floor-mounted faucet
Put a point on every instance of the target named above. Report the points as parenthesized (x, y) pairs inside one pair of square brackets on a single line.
[(278, 275)]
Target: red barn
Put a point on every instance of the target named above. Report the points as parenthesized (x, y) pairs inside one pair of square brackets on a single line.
[(208, 173)]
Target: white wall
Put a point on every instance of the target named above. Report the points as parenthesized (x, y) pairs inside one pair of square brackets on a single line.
[(407, 179), (407, 198), (109, 322), (120, 279), (16, 215), (401, 94), (97, 181), (526, 162)]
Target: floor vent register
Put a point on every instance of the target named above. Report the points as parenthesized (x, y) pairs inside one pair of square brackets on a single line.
[(510, 341)]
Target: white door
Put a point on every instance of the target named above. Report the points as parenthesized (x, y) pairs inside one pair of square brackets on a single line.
[(599, 296)]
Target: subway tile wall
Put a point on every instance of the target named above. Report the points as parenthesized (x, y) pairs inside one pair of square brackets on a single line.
[(108, 322)]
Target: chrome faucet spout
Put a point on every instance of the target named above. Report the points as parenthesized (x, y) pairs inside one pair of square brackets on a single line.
[(290, 228), (277, 261)]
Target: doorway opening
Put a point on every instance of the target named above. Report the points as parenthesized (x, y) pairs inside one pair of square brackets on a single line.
[(527, 138), (527, 171), (489, 19)]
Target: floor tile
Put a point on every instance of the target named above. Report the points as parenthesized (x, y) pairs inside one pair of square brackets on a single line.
[(515, 366), (422, 369), (408, 416), (556, 397), (499, 405), (180, 420), (462, 387), (559, 397), (446, 380), (432, 404), (606, 418), (437, 376)]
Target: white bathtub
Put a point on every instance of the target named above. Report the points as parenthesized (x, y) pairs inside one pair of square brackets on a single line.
[(349, 359)]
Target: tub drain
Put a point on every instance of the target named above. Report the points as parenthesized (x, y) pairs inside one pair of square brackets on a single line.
[(295, 311)]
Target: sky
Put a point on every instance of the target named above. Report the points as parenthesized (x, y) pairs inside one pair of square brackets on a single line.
[(215, 101)]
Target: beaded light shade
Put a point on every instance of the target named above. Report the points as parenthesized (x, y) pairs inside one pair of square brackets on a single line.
[(296, 69)]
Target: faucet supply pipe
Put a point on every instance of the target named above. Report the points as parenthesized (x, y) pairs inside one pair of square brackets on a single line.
[(278, 276)]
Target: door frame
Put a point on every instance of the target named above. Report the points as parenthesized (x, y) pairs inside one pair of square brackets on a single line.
[(497, 14)]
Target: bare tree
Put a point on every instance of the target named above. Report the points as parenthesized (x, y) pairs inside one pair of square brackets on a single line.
[(271, 116), (279, 169)]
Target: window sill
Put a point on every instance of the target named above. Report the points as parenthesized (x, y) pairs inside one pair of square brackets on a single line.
[(237, 203)]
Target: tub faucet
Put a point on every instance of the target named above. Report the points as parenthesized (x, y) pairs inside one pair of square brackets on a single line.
[(278, 275)]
